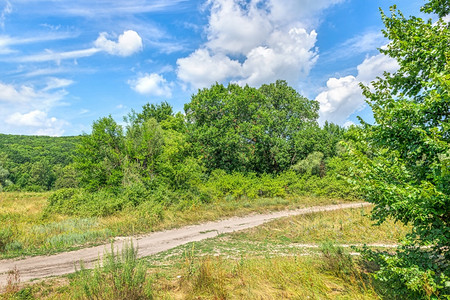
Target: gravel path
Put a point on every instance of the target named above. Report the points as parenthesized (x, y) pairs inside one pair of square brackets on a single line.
[(64, 263)]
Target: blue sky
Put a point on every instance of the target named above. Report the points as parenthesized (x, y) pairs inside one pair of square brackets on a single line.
[(64, 64)]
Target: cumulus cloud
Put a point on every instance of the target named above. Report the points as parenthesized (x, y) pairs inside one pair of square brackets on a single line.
[(235, 30), (24, 109), (343, 96), (255, 42), (128, 43), (202, 68), (38, 119), (152, 84)]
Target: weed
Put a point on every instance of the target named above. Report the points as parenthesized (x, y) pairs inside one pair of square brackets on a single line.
[(337, 261), (122, 276), (6, 235), (12, 283)]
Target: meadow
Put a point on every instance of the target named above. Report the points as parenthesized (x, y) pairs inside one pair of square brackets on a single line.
[(27, 230), (297, 257)]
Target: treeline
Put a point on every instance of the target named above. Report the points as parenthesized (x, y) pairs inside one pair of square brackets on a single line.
[(232, 142), (254, 131), (36, 163)]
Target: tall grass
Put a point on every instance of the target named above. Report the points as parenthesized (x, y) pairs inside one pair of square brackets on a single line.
[(121, 276), (26, 230)]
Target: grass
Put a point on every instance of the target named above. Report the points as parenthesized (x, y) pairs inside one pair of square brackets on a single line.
[(26, 230), (260, 263), (348, 226)]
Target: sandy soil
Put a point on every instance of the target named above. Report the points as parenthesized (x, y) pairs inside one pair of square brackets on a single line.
[(65, 263)]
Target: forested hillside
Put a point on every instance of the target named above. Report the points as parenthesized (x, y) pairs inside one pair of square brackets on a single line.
[(36, 163)]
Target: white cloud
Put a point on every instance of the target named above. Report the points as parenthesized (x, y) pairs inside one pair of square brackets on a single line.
[(233, 30), (33, 118), (201, 69), (5, 11), (57, 83), (151, 84), (128, 43), (304, 12), (288, 57), (58, 56), (249, 42), (347, 124), (374, 66), (38, 119), (24, 109), (343, 96), (7, 42)]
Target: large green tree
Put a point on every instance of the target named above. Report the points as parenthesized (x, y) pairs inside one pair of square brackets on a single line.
[(405, 168), (247, 129)]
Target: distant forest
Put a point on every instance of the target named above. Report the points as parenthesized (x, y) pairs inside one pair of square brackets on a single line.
[(35, 163)]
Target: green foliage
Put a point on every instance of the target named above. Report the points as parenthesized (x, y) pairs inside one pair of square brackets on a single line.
[(403, 167), (4, 174), (80, 202), (159, 112), (143, 144), (312, 165), (99, 156), (250, 130), (32, 162), (240, 185), (66, 177), (121, 276)]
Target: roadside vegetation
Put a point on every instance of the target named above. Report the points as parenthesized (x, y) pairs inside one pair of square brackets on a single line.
[(270, 261), (28, 230)]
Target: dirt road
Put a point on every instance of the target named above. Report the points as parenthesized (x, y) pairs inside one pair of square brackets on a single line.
[(64, 263)]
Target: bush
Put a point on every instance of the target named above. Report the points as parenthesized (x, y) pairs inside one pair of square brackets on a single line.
[(79, 202), (408, 276)]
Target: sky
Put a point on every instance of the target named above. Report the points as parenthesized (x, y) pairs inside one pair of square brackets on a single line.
[(65, 64)]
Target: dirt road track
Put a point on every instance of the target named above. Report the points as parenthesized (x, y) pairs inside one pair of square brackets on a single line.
[(64, 263)]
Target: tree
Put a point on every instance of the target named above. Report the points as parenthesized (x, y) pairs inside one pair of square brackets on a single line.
[(404, 169), (159, 112), (99, 156), (247, 129)]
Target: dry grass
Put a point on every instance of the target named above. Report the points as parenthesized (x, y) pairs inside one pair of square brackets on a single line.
[(245, 267), (25, 231), (349, 226)]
